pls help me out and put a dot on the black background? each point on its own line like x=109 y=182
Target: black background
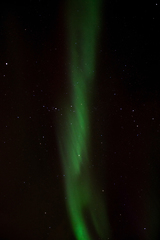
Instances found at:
x=124 y=116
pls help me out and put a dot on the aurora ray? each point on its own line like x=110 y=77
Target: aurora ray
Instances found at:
x=83 y=199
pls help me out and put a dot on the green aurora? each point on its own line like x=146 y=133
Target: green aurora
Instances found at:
x=85 y=205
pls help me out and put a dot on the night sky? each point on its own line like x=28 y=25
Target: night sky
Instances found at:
x=124 y=120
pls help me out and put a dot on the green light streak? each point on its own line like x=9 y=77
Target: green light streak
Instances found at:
x=85 y=205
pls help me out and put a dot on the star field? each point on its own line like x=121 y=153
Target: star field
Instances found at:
x=124 y=126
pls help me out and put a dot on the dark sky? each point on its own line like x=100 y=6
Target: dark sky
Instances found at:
x=124 y=112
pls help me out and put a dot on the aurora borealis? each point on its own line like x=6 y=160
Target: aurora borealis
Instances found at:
x=83 y=19
x=80 y=122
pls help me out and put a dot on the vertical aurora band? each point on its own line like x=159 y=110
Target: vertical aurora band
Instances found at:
x=84 y=203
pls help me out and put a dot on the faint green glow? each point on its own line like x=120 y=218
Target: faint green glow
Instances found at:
x=84 y=201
